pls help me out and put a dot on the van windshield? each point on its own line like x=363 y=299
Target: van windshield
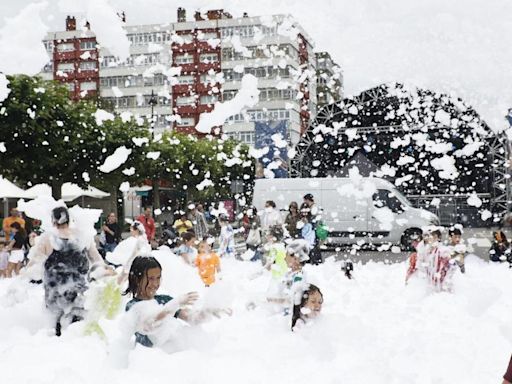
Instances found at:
x=401 y=197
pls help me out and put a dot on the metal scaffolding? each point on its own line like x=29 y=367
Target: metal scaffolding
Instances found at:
x=499 y=147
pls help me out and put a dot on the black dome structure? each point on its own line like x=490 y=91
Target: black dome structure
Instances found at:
x=429 y=144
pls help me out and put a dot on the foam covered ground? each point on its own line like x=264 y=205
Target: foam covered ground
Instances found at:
x=372 y=330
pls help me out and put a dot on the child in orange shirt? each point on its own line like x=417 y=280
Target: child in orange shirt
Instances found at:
x=207 y=262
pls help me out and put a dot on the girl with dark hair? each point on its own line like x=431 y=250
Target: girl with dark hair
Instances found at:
x=292 y=218
x=143 y=284
x=15 y=246
x=500 y=248
x=307 y=306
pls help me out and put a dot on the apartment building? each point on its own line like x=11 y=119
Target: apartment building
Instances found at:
x=178 y=70
x=329 y=79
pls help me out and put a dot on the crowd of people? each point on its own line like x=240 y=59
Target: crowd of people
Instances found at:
x=282 y=245
x=62 y=262
x=436 y=260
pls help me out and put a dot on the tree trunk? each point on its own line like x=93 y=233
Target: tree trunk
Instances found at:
x=57 y=189
x=119 y=204
x=156 y=194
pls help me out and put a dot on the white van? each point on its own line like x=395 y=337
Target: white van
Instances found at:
x=356 y=209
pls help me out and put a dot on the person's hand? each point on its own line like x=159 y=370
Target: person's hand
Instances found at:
x=188 y=299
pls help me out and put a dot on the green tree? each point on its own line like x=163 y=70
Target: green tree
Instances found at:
x=50 y=139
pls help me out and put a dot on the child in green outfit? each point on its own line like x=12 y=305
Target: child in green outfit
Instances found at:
x=276 y=253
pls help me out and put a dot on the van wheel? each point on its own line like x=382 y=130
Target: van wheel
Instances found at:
x=409 y=237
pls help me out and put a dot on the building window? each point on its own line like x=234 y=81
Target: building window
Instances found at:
x=228 y=95
x=260 y=115
x=207 y=79
x=205 y=36
x=209 y=58
x=226 y=32
x=88 y=65
x=188 y=38
x=71 y=87
x=87 y=45
x=185 y=100
x=65 y=47
x=184 y=59
x=186 y=122
x=244 y=137
x=66 y=67
x=247 y=137
x=48 y=44
x=186 y=79
x=88 y=86
x=208 y=99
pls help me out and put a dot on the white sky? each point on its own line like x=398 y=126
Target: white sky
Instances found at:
x=456 y=46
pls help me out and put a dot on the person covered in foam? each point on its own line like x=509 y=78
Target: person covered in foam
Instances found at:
x=307 y=306
x=151 y=316
x=283 y=293
x=128 y=249
x=63 y=256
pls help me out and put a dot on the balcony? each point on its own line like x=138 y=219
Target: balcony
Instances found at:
x=182 y=89
x=205 y=67
x=186 y=130
x=87 y=74
x=186 y=109
x=204 y=108
x=203 y=88
x=66 y=55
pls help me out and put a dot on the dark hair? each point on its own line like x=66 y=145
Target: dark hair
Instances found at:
x=187 y=236
x=454 y=231
x=305 y=211
x=137 y=226
x=271 y=203
x=16 y=225
x=499 y=236
x=309 y=197
x=60 y=216
x=437 y=232
x=139 y=268
x=254 y=211
x=293 y=204
x=276 y=231
x=297 y=314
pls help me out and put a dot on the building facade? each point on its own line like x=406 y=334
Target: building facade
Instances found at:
x=329 y=78
x=189 y=65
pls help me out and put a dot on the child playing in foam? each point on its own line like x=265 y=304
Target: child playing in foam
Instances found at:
x=207 y=262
